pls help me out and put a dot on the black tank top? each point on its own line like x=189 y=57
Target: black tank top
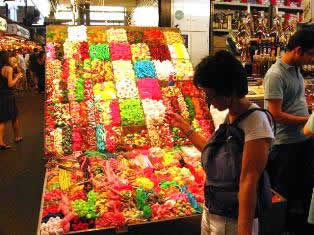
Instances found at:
x=4 y=87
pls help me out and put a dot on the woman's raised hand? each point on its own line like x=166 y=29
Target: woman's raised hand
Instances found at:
x=178 y=121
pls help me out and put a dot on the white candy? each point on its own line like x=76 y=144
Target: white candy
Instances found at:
x=77 y=33
x=164 y=69
x=126 y=88
x=123 y=70
x=154 y=111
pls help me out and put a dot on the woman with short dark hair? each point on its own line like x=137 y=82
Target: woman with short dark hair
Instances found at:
x=223 y=80
x=9 y=76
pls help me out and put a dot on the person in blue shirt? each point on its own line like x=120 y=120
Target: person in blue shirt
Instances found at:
x=292 y=152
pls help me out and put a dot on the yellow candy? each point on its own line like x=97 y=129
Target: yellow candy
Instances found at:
x=146 y=183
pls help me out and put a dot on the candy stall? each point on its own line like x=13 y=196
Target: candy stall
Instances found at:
x=112 y=160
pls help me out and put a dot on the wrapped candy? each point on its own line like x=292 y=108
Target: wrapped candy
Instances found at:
x=189 y=89
x=76 y=139
x=91 y=138
x=112 y=139
x=135 y=36
x=153 y=36
x=83 y=50
x=120 y=51
x=56 y=33
x=65 y=70
x=204 y=127
x=159 y=52
x=144 y=69
x=87 y=208
x=67 y=140
x=79 y=89
x=140 y=51
x=96 y=34
x=53 y=226
x=51 y=51
x=149 y=88
x=91 y=113
x=126 y=88
x=178 y=51
x=101 y=71
x=183 y=108
x=164 y=69
x=88 y=88
x=144 y=183
x=135 y=140
x=99 y=138
x=131 y=112
x=115 y=113
x=184 y=69
x=110 y=219
x=99 y=51
x=172 y=37
x=170 y=91
x=57 y=137
x=201 y=109
x=77 y=33
x=160 y=136
x=70 y=49
x=123 y=70
x=179 y=137
x=104 y=91
x=75 y=113
x=83 y=114
x=190 y=107
x=116 y=35
x=154 y=111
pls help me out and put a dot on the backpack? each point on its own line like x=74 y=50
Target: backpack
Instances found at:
x=221 y=160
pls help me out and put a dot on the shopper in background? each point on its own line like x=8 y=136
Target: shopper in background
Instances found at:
x=33 y=64
x=22 y=66
x=40 y=71
x=292 y=152
x=8 y=111
x=226 y=89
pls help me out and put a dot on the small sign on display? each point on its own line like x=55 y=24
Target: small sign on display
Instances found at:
x=3 y=24
x=18 y=30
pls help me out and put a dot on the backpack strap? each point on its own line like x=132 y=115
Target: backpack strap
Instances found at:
x=244 y=115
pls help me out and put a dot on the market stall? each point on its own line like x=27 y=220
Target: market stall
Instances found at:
x=15 y=37
x=113 y=161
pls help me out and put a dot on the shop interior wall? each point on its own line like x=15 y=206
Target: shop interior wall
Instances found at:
x=192 y=18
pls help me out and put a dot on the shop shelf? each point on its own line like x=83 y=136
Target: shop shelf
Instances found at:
x=225 y=30
x=231 y=4
x=290 y=8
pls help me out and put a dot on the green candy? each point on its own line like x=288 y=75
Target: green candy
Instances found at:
x=190 y=106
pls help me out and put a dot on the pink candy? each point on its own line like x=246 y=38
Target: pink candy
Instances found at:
x=149 y=89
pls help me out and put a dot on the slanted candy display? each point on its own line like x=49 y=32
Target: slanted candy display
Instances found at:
x=113 y=160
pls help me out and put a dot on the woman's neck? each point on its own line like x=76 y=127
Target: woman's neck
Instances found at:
x=238 y=107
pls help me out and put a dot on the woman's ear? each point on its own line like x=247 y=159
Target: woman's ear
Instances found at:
x=298 y=51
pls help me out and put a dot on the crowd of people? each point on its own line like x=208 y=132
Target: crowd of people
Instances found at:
x=18 y=71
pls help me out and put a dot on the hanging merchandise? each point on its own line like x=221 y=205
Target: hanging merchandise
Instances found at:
x=114 y=161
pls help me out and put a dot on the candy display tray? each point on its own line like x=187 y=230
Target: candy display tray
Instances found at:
x=112 y=229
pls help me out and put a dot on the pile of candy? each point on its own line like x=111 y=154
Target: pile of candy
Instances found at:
x=115 y=160
x=95 y=190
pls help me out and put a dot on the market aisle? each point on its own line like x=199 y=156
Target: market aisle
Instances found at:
x=22 y=171
x=22 y=174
